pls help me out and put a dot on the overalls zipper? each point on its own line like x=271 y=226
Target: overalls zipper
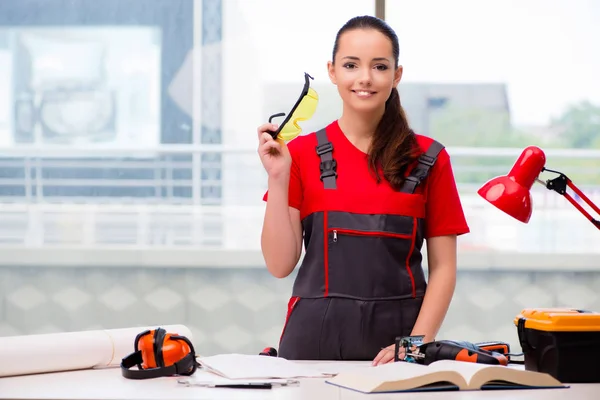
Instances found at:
x=367 y=233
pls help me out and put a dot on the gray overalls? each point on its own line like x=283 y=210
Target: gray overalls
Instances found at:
x=361 y=283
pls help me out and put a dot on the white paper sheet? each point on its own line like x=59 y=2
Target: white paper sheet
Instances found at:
x=204 y=378
x=241 y=366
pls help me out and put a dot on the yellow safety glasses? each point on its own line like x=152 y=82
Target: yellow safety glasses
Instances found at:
x=303 y=110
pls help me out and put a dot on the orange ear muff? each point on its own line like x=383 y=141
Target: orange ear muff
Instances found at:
x=158 y=353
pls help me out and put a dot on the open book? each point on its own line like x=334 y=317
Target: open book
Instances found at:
x=441 y=375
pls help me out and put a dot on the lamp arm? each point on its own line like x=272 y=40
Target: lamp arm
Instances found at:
x=560 y=184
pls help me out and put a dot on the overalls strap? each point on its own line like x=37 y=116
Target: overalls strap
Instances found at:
x=328 y=164
x=420 y=172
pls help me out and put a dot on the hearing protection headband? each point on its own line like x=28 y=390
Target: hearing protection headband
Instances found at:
x=303 y=110
x=158 y=353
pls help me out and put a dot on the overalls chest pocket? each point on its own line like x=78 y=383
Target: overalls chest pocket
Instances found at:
x=373 y=255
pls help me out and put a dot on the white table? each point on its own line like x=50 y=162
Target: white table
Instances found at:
x=109 y=384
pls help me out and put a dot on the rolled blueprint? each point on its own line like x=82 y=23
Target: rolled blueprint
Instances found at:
x=55 y=352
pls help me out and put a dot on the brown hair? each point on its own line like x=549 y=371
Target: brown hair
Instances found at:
x=394 y=143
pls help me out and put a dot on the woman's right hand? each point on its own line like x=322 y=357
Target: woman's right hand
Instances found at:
x=274 y=154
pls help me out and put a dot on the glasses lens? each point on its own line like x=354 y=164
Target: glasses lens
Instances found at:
x=303 y=112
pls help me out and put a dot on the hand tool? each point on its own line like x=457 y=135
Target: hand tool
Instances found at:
x=426 y=353
x=502 y=348
x=268 y=351
x=499 y=347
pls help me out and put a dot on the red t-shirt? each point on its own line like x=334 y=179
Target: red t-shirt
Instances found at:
x=443 y=210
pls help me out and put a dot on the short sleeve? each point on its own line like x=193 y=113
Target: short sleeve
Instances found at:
x=444 y=211
x=295 y=187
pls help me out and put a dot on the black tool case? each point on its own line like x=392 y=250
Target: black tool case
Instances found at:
x=562 y=342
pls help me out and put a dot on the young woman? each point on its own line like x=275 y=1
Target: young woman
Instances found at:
x=363 y=194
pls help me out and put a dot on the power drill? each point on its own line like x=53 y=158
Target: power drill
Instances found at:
x=493 y=353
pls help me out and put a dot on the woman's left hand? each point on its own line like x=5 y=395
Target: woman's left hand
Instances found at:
x=386 y=355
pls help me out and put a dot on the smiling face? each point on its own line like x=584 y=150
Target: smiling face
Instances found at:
x=364 y=70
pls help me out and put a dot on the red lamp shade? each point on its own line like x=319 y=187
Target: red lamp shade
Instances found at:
x=510 y=193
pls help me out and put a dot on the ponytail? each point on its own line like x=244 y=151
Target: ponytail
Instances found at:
x=394 y=147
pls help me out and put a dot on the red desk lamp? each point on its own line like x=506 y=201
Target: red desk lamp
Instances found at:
x=510 y=193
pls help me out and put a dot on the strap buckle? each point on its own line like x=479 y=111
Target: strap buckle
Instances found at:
x=427 y=160
x=328 y=168
x=324 y=148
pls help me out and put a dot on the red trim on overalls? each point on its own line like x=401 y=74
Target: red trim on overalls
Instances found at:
x=326 y=255
x=412 y=247
x=291 y=304
x=360 y=203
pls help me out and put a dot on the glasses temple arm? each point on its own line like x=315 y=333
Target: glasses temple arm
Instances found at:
x=275 y=116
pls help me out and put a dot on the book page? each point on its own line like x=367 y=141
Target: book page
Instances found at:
x=393 y=371
x=477 y=375
x=466 y=369
x=395 y=376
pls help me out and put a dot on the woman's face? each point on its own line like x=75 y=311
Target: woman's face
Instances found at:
x=363 y=70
